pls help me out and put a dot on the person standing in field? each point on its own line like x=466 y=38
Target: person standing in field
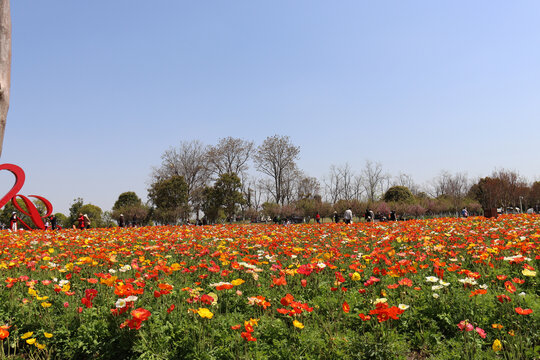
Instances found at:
x=347 y=217
x=80 y=219
x=53 y=222
x=318 y=218
x=121 y=221
x=336 y=217
x=86 y=222
x=13 y=221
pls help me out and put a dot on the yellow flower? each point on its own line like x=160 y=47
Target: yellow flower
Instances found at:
x=252 y=322
x=31 y=341
x=237 y=282
x=298 y=324
x=47 y=335
x=497 y=346
x=356 y=276
x=41 y=298
x=27 y=335
x=32 y=292
x=205 y=313
x=46 y=304
x=528 y=272
x=40 y=346
x=497 y=326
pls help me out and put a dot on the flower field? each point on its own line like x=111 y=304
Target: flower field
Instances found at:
x=441 y=289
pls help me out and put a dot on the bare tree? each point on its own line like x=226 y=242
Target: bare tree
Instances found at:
x=290 y=184
x=358 y=188
x=342 y=184
x=407 y=181
x=332 y=185
x=276 y=158
x=347 y=182
x=455 y=186
x=375 y=181
x=187 y=160
x=230 y=155
x=307 y=187
x=5 y=65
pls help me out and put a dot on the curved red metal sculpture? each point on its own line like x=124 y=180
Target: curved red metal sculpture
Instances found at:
x=31 y=210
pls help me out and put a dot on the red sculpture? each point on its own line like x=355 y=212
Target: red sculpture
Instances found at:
x=31 y=209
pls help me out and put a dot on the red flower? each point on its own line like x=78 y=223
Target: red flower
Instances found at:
x=510 y=287
x=4 y=333
x=521 y=311
x=279 y=281
x=503 y=298
x=287 y=299
x=364 y=317
x=171 y=308
x=339 y=277
x=247 y=335
x=141 y=314
x=346 y=307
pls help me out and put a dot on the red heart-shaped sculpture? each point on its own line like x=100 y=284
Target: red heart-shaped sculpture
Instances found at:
x=19 y=182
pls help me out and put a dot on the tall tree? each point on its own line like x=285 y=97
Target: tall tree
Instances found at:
x=128 y=198
x=276 y=157
x=5 y=65
x=75 y=210
x=307 y=187
x=374 y=180
x=225 y=194
x=189 y=161
x=169 y=196
x=229 y=156
x=131 y=207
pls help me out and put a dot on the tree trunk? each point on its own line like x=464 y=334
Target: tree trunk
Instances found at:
x=5 y=65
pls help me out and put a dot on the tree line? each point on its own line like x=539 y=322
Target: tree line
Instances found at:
x=237 y=180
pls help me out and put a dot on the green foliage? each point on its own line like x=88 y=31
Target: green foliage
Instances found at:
x=398 y=194
x=94 y=213
x=62 y=220
x=127 y=199
x=225 y=195
x=169 y=196
x=75 y=210
x=131 y=206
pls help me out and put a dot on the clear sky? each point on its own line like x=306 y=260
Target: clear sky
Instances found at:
x=101 y=88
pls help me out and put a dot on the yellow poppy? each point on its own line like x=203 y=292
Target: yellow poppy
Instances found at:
x=298 y=324
x=27 y=335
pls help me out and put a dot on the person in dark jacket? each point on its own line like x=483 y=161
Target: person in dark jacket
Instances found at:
x=121 y=221
x=52 y=219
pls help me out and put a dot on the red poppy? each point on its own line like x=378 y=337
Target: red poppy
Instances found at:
x=521 y=311
x=364 y=317
x=141 y=314
x=346 y=307
x=510 y=287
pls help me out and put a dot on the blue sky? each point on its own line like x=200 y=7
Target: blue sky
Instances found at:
x=101 y=88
